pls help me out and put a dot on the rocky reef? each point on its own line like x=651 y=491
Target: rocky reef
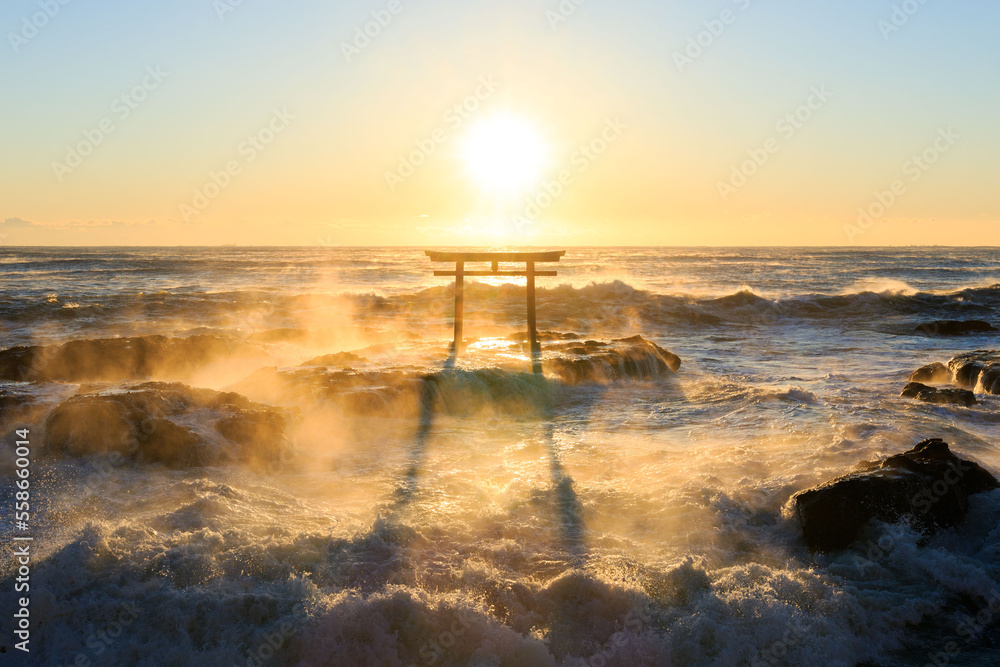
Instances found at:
x=939 y=396
x=928 y=486
x=347 y=382
x=168 y=423
x=977 y=370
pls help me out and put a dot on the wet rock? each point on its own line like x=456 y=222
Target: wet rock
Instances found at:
x=975 y=370
x=954 y=327
x=940 y=396
x=167 y=442
x=935 y=373
x=623 y=358
x=152 y=423
x=92 y=425
x=927 y=485
x=260 y=431
x=412 y=391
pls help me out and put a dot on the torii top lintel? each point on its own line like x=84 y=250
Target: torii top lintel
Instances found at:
x=541 y=257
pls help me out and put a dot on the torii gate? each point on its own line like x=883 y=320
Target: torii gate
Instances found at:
x=529 y=258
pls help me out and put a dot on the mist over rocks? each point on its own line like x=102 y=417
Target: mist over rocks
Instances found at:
x=161 y=423
x=937 y=373
x=928 y=486
x=544 y=336
x=116 y=359
x=405 y=393
x=337 y=359
x=17 y=407
x=408 y=391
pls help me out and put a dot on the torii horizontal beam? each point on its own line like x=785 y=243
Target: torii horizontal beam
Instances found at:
x=494 y=273
x=540 y=257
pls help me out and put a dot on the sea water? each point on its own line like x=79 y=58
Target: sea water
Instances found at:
x=630 y=522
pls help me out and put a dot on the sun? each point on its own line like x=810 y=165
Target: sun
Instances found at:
x=505 y=154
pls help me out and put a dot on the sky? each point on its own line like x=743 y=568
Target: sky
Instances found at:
x=727 y=122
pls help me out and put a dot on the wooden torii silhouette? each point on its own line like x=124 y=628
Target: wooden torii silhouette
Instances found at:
x=529 y=259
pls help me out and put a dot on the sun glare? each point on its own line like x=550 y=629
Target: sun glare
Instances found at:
x=504 y=154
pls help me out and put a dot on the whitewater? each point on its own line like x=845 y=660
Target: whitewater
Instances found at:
x=247 y=456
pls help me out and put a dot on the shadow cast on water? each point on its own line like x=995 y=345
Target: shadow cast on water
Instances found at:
x=566 y=505
x=408 y=487
x=568 y=508
x=562 y=498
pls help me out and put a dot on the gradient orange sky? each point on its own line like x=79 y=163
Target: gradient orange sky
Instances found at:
x=896 y=117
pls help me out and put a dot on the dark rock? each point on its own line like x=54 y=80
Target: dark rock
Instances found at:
x=19 y=363
x=977 y=369
x=632 y=358
x=409 y=391
x=936 y=373
x=940 y=396
x=146 y=423
x=954 y=327
x=170 y=443
x=928 y=485
x=91 y=425
x=261 y=431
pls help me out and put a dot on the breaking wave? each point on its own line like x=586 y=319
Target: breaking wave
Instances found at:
x=271 y=317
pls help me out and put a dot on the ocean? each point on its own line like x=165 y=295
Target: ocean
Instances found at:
x=299 y=474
